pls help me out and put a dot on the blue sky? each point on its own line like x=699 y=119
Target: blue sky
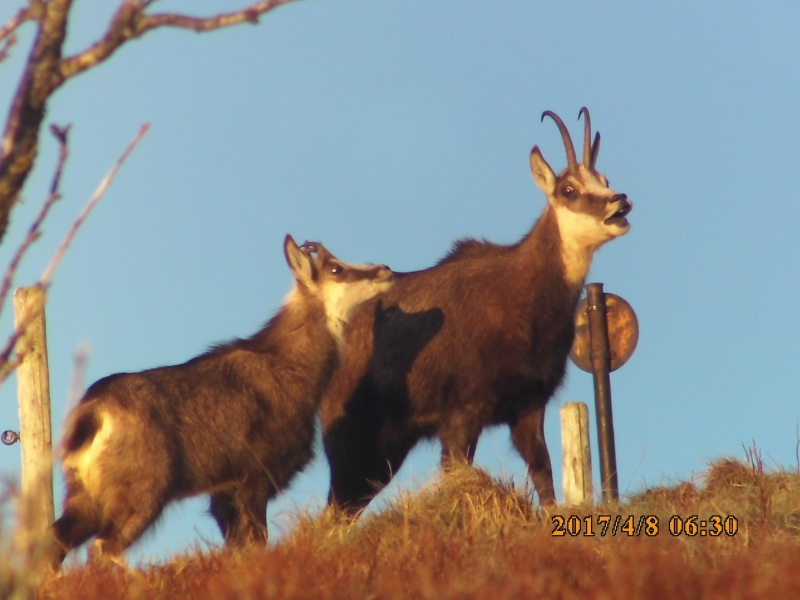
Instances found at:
x=387 y=130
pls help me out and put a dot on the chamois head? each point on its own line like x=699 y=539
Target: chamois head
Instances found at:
x=589 y=213
x=340 y=287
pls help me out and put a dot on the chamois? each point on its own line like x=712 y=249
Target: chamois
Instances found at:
x=236 y=422
x=479 y=339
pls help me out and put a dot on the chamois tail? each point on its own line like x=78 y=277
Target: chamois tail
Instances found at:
x=86 y=438
x=81 y=431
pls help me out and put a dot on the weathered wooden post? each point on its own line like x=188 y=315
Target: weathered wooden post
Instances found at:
x=33 y=389
x=606 y=334
x=577 y=455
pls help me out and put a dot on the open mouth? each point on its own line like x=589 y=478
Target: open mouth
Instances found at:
x=618 y=218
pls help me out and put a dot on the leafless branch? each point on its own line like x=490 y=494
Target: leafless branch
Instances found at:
x=77 y=383
x=47 y=70
x=130 y=22
x=99 y=192
x=34 y=233
x=12 y=39
x=250 y=14
x=6 y=30
x=39 y=80
x=8 y=35
x=7 y=363
x=8 y=366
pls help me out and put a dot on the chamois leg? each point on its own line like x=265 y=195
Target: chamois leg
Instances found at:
x=223 y=509
x=242 y=514
x=79 y=521
x=528 y=437
x=459 y=440
x=351 y=445
x=251 y=526
x=361 y=463
x=113 y=540
x=126 y=517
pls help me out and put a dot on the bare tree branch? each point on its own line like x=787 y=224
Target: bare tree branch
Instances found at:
x=7 y=363
x=8 y=31
x=40 y=79
x=23 y=15
x=130 y=22
x=34 y=233
x=7 y=45
x=46 y=71
x=77 y=383
x=249 y=14
x=120 y=30
x=99 y=192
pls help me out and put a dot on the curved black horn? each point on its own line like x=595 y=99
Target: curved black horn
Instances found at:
x=587 y=137
x=595 y=150
x=572 y=162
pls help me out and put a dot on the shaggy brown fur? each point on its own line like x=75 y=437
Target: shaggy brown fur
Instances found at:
x=480 y=339
x=236 y=422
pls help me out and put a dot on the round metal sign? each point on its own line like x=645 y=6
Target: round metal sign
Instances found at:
x=623 y=333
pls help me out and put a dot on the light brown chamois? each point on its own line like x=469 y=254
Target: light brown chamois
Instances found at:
x=479 y=339
x=236 y=422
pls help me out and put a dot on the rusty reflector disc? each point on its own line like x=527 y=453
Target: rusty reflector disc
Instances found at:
x=623 y=333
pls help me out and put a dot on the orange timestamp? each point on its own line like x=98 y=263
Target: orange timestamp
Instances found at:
x=648 y=525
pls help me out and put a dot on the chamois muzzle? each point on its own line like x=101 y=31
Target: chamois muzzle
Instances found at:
x=618 y=218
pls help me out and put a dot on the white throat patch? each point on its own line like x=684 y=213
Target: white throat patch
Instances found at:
x=581 y=236
x=341 y=299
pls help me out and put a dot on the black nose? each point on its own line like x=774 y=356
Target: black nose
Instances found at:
x=618 y=197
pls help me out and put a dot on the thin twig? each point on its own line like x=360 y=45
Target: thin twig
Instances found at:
x=7 y=45
x=23 y=15
x=7 y=32
x=34 y=233
x=77 y=382
x=101 y=189
x=7 y=367
x=249 y=14
x=7 y=364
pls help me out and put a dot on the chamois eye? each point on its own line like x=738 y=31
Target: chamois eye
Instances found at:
x=569 y=192
x=337 y=269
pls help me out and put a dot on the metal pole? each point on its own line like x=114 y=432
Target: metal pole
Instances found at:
x=601 y=368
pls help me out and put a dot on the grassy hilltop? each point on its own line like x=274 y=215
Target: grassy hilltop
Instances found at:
x=470 y=536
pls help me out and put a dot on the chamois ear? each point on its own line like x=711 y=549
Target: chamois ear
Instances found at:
x=298 y=262
x=542 y=173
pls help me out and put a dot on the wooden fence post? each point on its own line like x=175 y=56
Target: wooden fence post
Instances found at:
x=577 y=458
x=33 y=389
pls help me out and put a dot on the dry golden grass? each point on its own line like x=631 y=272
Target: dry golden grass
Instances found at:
x=470 y=536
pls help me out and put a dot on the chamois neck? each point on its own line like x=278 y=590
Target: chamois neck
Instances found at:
x=300 y=324
x=549 y=244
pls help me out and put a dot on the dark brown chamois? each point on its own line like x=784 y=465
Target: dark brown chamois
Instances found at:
x=236 y=422
x=479 y=339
